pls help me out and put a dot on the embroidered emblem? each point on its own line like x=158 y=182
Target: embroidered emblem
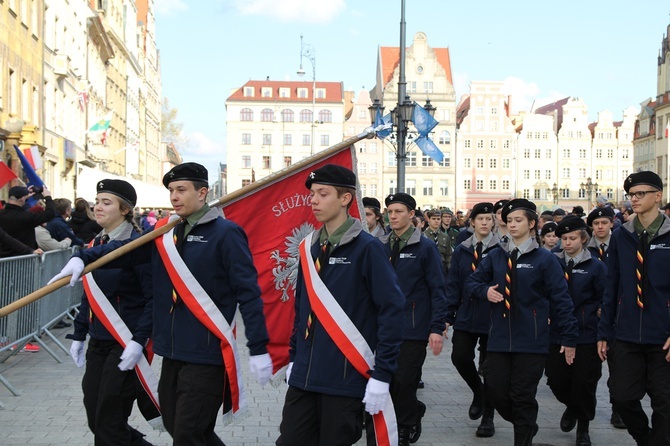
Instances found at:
x=312 y=175
x=100 y=185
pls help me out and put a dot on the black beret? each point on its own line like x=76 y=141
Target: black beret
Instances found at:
x=120 y=188
x=403 y=198
x=186 y=172
x=547 y=213
x=369 y=202
x=517 y=204
x=645 y=177
x=499 y=205
x=481 y=208
x=559 y=211
x=599 y=213
x=548 y=227
x=570 y=224
x=418 y=213
x=332 y=175
x=578 y=210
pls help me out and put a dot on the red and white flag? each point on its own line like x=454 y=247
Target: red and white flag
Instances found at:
x=6 y=174
x=276 y=217
x=33 y=156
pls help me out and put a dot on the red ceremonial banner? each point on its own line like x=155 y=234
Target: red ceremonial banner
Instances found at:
x=276 y=218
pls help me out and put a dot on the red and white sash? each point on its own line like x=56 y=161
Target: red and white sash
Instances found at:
x=105 y=312
x=347 y=337
x=205 y=310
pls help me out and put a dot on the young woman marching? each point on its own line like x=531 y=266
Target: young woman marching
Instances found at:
x=470 y=316
x=521 y=285
x=548 y=236
x=575 y=385
x=110 y=384
x=373 y=216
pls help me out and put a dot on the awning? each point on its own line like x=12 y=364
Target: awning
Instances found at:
x=148 y=195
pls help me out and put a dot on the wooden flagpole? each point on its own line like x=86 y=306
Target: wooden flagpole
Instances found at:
x=146 y=238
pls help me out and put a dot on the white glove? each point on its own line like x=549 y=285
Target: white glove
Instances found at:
x=77 y=352
x=130 y=356
x=376 y=396
x=74 y=268
x=289 y=368
x=261 y=368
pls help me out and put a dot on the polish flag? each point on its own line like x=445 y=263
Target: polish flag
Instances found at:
x=6 y=174
x=32 y=154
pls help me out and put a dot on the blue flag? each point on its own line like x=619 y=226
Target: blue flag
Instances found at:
x=32 y=177
x=383 y=121
x=423 y=122
x=429 y=148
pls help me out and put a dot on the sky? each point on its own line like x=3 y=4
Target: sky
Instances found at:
x=602 y=51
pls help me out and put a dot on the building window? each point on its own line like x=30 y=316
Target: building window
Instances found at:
x=526 y=194
x=494 y=110
x=599 y=153
x=306 y=140
x=427 y=188
x=545 y=135
x=446 y=160
x=411 y=159
x=266 y=162
x=411 y=187
x=493 y=184
x=246 y=139
x=467 y=163
x=287 y=115
x=246 y=161
x=526 y=153
x=362 y=148
x=373 y=168
x=267 y=139
x=493 y=144
x=494 y=126
x=444 y=188
x=284 y=92
x=582 y=172
x=479 y=184
x=610 y=193
x=581 y=193
x=538 y=153
x=320 y=93
x=493 y=163
x=466 y=143
x=505 y=184
x=373 y=147
x=480 y=163
x=506 y=144
x=266 y=92
x=426 y=161
x=364 y=189
x=246 y=114
x=287 y=161
x=624 y=154
x=306 y=115
x=565 y=193
x=480 y=143
x=445 y=137
x=547 y=174
x=526 y=174
x=326 y=116
x=479 y=110
x=246 y=183
x=393 y=188
x=267 y=115
x=566 y=172
x=467 y=184
x=248 y=92
x=302 y=93
x=548 y=153
x=537 y=174
x=362 y=168
x=505 y=163
x=325 y=140
x=373 y=190
x=610 y=153
x=391 y=160
x=288 y=139
x=427 y=87
x=566 y=153
x=582 y=153
x=479 y=126
x=537 y=194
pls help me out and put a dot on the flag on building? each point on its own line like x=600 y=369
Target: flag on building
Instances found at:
x=102 y=124
x=82 y=98
x=28 y=170
x=6 y=174
x=276 y=217
x=33 y=156
x=667 y=129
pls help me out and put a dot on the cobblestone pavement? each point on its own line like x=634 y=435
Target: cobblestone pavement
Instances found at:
x=50 y=411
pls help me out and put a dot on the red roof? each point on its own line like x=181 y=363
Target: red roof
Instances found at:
x=390 y=56
x=334 y=91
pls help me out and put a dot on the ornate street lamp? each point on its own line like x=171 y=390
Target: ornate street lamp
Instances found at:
x=589 y=187
x=430 y=108
x=307 y=51
x=554 y=193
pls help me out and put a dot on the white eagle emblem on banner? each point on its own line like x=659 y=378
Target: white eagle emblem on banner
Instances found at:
x=286 y=271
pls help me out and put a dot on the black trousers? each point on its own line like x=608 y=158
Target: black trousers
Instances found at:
x=405 y=381
x=109 y=394
x=190 y=396
x=575 y=385
x=316 y=419
x=463 y=357
x=511 y=381
x=642 y=369
x=611 y=361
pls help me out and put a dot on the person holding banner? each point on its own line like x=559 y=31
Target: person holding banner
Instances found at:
x=114 y=299
x=348 y=304
x=202 y=270
x=18 y=222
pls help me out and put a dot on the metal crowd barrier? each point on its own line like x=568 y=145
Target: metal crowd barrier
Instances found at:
x=20 y=276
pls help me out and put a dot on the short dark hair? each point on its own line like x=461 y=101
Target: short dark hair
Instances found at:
x=200 y=184
x=341 y=190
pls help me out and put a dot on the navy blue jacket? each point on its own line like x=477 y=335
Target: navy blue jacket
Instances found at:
x=362 y=281
x=621 y=317
x=421 y=279
x=465 y=312
x=217 y=253
x=540 y=284
x=130 y=292
x=59 y=230
x=586 y=288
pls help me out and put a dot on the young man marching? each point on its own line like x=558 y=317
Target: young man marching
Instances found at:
x=440 y=238
x=348 y=305
x=417 y=262
x=636 y=312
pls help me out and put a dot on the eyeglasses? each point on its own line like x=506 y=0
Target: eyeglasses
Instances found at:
x=639 y=194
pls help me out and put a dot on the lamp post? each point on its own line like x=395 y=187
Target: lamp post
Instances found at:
x=589 y=187
x=554 y=193
x=307 y=51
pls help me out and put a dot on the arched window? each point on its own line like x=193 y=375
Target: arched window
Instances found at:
x=326 y=116
x=246 y=114
x=287 y=115
x=267 y=115
x=306 y=115
x=445 y=137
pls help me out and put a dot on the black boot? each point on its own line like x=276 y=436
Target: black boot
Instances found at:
x=486 y=428
x=415 y=432
x=403 y=435
x=477 y=406
x=583 y=438
x=523 y=436
x=615 y=420
x=568 y=421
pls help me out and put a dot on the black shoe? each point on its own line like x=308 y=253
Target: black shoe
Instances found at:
x=61 y=324
x=477 y=406
x=524 y=436
x=568 y=421
x=421 y=385
x=486 y=428
x=583 y=438
x=615 y=420
x=415 y=432
x=403 y=435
